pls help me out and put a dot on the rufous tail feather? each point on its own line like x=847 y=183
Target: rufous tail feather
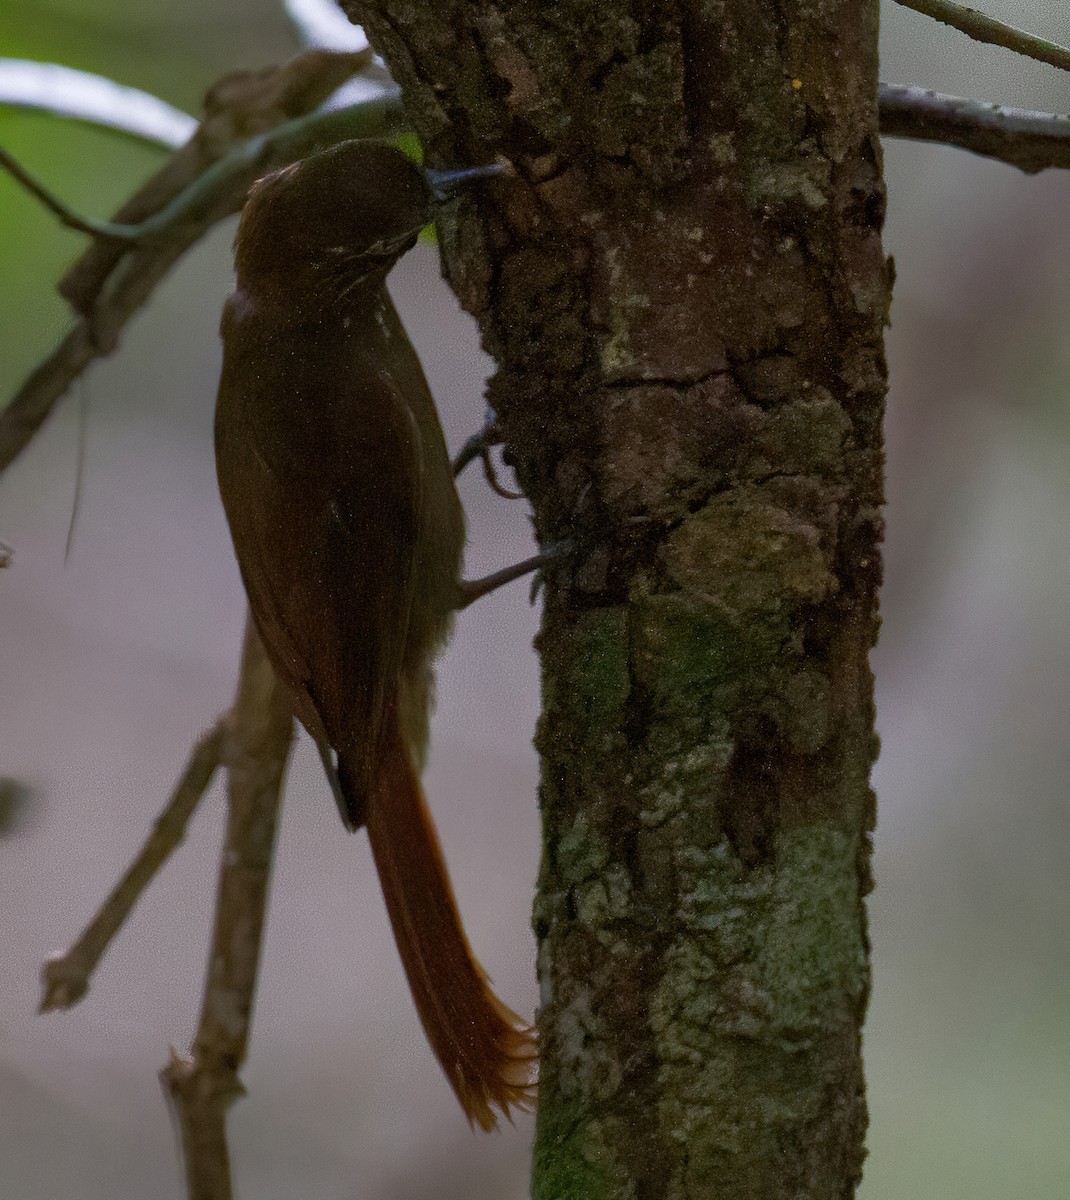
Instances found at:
x=488 y=1053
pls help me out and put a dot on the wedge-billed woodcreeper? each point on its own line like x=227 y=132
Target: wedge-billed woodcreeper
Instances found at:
x=348 y=532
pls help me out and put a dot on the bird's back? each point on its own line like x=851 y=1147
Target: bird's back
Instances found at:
x=324 y=459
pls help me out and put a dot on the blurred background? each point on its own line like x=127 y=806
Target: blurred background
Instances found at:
x=113 y=662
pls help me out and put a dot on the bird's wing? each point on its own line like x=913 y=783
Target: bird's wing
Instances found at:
x=320 y=471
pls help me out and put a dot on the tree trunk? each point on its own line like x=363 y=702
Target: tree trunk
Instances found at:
x=684 y=289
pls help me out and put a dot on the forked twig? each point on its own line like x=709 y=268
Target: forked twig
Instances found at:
x=1030 y=141
x=259 y=734
x=66 y=977
x=253 y=741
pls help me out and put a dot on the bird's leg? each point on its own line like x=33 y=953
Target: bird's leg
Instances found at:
x=475 y=589
x=478 y=446
x=479 y=443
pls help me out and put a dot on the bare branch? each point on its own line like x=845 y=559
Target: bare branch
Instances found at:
x=241 y=105
x=257 y=747
x=217 y=193
x=1030 y=141
x=254 y=740
x=56 y=206
x=983 y=28
x=66 y=978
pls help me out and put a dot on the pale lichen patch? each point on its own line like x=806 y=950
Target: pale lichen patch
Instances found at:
x=742 y=553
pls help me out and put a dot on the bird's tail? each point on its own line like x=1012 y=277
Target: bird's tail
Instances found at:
x=487 y=1052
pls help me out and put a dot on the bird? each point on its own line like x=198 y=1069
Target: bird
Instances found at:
x=348 y=532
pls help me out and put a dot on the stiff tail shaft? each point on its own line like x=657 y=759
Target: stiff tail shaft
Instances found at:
x=485 y=1049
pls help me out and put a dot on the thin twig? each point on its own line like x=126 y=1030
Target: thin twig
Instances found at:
x=983 y=28
x=67 y=216
x=239 y=106
x=215 y=195
x=79 y=471
x=66 y=978
x=202 y=1087
x=233 y=174
x=1030 y=141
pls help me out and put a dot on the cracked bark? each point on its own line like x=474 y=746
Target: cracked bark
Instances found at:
x=684 y=290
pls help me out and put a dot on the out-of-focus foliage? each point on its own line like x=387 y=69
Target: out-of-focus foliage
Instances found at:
x=173 y=52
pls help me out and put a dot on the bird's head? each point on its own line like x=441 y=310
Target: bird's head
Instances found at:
x=337 y=219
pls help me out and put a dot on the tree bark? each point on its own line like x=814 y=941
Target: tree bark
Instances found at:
x=684 y=289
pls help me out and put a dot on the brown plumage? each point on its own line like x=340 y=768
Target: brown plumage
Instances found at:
x=348 y=531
